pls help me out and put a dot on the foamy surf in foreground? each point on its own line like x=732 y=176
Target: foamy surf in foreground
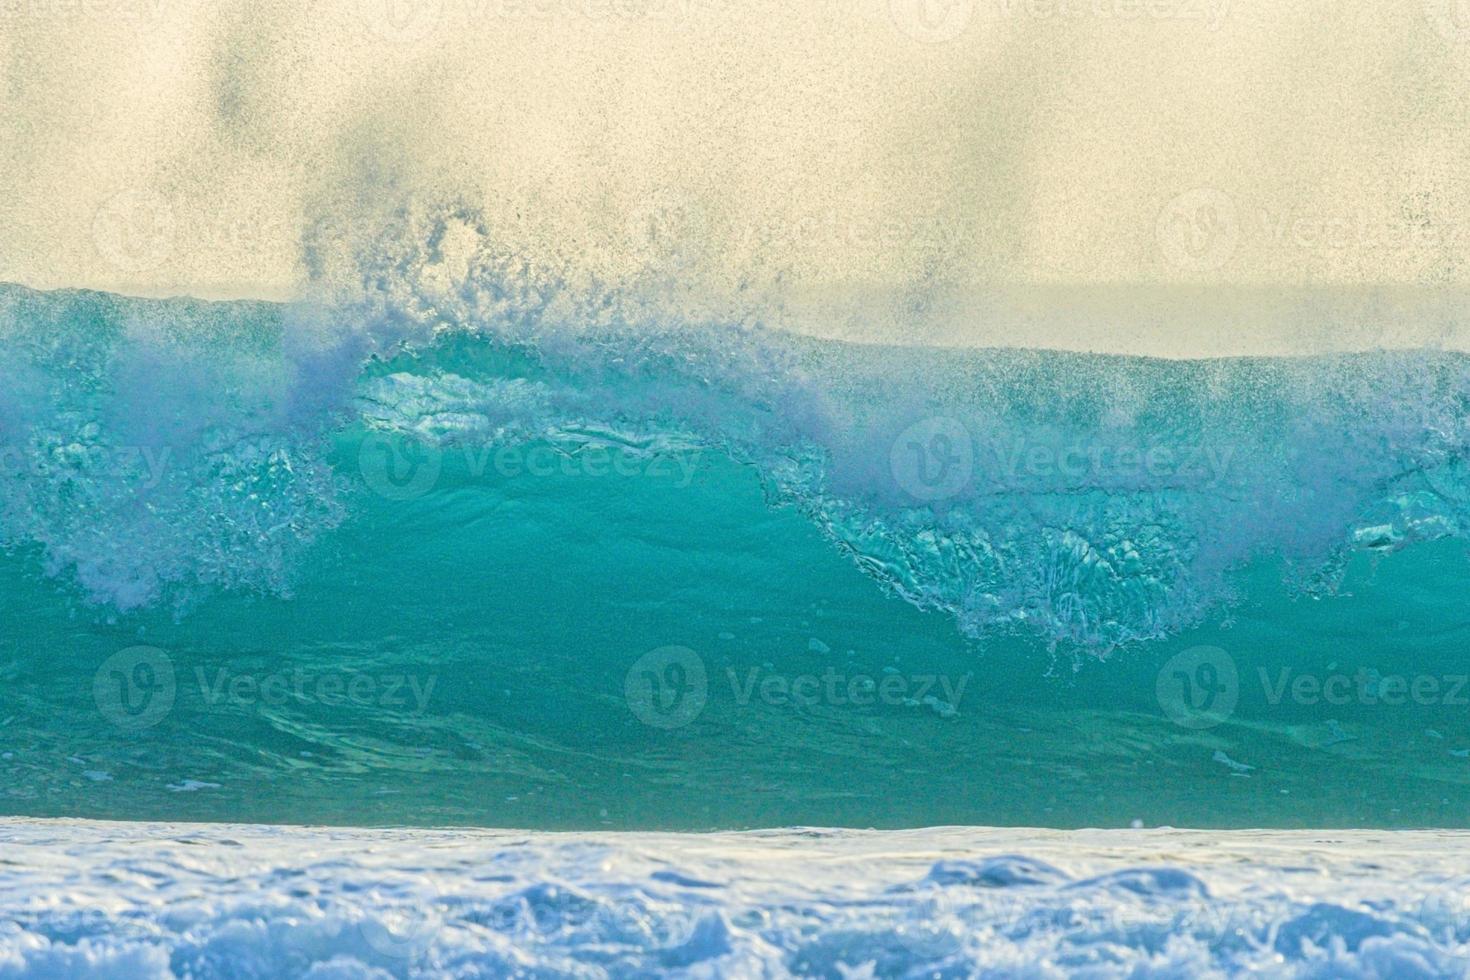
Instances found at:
x=83 y=899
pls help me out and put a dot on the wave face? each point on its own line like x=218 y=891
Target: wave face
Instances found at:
x=156 y=450
x=334 y=903
x=560 y=534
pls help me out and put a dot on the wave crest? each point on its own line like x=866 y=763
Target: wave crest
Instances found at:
x=1087 y=500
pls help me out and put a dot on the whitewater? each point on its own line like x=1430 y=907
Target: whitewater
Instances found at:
x=139 y=900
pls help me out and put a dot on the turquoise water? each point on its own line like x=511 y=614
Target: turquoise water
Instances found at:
x=339 y=565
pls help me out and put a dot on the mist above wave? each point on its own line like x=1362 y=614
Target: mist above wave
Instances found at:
x=883 y=164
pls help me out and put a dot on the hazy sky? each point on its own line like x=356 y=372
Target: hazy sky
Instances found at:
x=912 y=149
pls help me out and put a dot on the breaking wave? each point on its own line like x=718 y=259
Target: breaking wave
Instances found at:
x=159 y=449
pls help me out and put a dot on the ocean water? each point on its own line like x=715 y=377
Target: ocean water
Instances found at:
x=414 y=562
x=487 y=551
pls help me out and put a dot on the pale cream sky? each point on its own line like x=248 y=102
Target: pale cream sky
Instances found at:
x=899 y=153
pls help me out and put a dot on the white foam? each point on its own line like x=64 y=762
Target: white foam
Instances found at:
x=138 y=900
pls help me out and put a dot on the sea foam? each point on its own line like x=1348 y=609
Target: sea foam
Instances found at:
x=154 y=900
